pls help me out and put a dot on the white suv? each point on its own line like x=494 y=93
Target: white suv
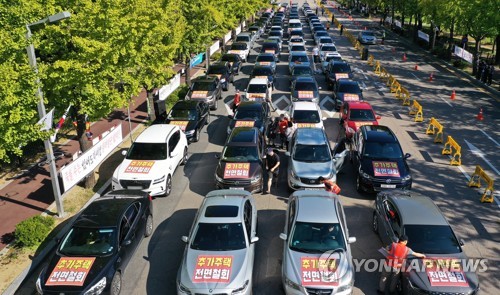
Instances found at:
x=259 y=89
x=306 y=114
x=152 y=159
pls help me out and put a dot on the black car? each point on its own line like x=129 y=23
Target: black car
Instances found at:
x=207 y=89
x=305 y=88
x=337 y=70
x=223 y=71
x=250 y=114
x=301 y=71
x=263 y=72
x=190 y=116
x=346 y=90
x=234 y=60
x=240 y=164
x=379 y=160
x=93 y=254
x=270 y=46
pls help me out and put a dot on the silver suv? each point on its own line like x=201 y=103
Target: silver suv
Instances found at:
x=317 y=256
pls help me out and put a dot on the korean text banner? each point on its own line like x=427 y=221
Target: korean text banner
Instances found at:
x=70 y=271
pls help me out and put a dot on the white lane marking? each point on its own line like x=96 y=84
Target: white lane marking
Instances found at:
x=329 y=113
x=496 y=201
x=489 y=137
x=415 y=76
x=480 y=154
x=447 y=102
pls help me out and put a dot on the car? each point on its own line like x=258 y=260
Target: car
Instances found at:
x=277 y=29
x=296 y=33
x=301 y=71
x=234 y=61
x=397 y=212
x=256 y=30
x=305 y=89
x=245 y=37
x=95 y=251
x=294 y=16
x=298 y=58
x=223 y=71
x=190 y=116
x=297 y=48
x=367 y=37
x=379 y=160
x=240 y=48
x=250 y=111
x=207 y=89
x=317 y=28
x=241 y=161
x=306 y=114
x=355 y=114
x=258 y=89
x=337 y=70
x=327 y=49
x=275 y=34
x=296 y=40
x=265 y=72
x=317 y=256
x=346 y=90
x=271 y=46
x=310 y=157
x=328 y=59
x=324 y=40
x=266 y=59
x=220 y=249
x=276 y=39
x=319 y=34
x=294 y=24
x=152 y=160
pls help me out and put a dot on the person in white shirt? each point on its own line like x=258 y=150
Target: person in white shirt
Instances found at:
x=316 y=54
x=289 y=132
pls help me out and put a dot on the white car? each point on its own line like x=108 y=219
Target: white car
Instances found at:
x=240 y=48
x=258 y=89
x=306 y=114
x=296 y=40
x=152 y=159
x=327 y=49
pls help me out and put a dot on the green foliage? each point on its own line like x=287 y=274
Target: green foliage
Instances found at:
x=32 y=231
x=216 y=56
x=459 y=63
x=179 y=94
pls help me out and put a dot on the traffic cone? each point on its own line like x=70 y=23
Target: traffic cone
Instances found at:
x=453 y=95
x=480 y=115
x=431 y=76
x=404 y=56
x=416 y=67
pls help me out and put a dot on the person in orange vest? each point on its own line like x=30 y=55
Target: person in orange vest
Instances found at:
x=236 y=101
x=330 y=186
x=397 y=254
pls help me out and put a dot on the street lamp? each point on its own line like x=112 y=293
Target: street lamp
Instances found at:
x=41 y=107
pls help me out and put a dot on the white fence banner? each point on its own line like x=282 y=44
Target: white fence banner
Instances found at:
x=166 y=90
x=423 y=36
x=463 y=54
x=244 y=24
x=74 y=172
x=238 y=29
x=398 y=24
x=214 y=47
x=227 y=37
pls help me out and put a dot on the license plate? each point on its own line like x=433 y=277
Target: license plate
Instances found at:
x=134 y=187
x=388 y=185
x=240 y=188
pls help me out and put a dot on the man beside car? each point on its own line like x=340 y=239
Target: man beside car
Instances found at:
x=272 y=165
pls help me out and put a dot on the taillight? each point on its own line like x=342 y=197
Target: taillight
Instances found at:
x=150 y=197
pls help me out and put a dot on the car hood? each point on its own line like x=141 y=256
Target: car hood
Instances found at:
x=253 y=170
x=385 y=168
x=184 y=125
x=98 y=269
x=312 y=170
x=423 y=278
x=200 y=94
x=349 y=96
x=141 y=169
x=305 y=95
x=235 y=262
x=356 y=124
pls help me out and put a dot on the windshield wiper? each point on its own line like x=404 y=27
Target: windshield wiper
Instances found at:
x=311 y=251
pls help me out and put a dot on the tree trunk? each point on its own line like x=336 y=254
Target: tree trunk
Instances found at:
x=85 y=144
x=188 y=72
x=497 y=54
x=151 y=104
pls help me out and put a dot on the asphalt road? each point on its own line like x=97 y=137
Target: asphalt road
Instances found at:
x=153 y=269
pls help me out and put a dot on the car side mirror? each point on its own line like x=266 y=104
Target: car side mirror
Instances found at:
x=461 y=242
x=127 y=242
x=217 y=156
x=407 y=155
x=283 y=236
x=124 y=152
x=351 y=240
x=378 y=117
x=254 y=240
x=185 y=239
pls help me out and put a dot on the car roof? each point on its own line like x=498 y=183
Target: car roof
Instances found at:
x=103 y=212
x=224 y=198
x=244 y=34
x=262 y=67
x=378 y=133
x=359 y=105
x=239 y=43
x=301 y=66
x=258 y=81
x=305 y=105
x=186 y=104
x=316 y=207
x=347 y=81
x=243 y=136
x=153 y=134
x=310 y=136
x=305 y=79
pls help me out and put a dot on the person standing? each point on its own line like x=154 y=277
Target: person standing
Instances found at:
x=236 y=101
x=480 y=68
x=490 y=74
x=316 y=10
x=484 y=73
x=316 y=54
x=330 y=186
x=272 y=168
x=289 y=133
x=282 y=126
x=341 y=29
x=322 y=11
x=397 y=254
x=327 y=26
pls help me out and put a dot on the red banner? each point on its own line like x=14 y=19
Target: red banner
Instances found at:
x=318 y=272
x=359 y=124
x=70 y=271
x=199 y=94
x=181 y=124
x=351 y=97
x=244 y=123
x=142 y=167
x=341 y=76
x=236 y=170
x=213 y=269
x=265 y=63
x=445 y=272
x=305 y=125
x=306 y=94
x=385 y=169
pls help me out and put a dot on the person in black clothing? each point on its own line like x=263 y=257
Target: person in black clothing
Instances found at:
x=484 y=73
x=272 y=131
x=272 y=168
x=341 y=29
x=490 y=74
x=480 y=68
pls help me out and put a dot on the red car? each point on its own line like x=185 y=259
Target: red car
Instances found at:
x=355 y=114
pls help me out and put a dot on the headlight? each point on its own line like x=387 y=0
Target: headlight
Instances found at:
x=223 y=80
x=190 y=132
x=241 y=289
x=182 y=289
x=97 y=288
x=158 y=180
x=363 y=174
x=39 y=285
x=407 y=177
x=291 y=284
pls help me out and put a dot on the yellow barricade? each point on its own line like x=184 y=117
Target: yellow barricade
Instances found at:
x=405 y=96
x=356 y=45
x=451 y=144
x=475 y=181
x=397 y=91
x=377 y=68
x=384 y=75
x=371 y=60
x=360 y=48
x=416 y=109
x=434 y=126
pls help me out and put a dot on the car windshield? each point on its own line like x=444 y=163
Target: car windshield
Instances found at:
x=245 y=114
x=239 y=46
x=318 y=238
x=299 y=58
x=368 y=34
x=329 y=48
x=325 y=40
x=383 y=150
x=306 y=116
x=147 y=151
x=432 y=239
x=332 y=57
x=203 y=86
x=216 y=70
x=257 y=88
x=266 y=58
x=349 y=88
x=219 y=237
x=341 y=68
x=275 y=33
x=312 y=153
x=294 y=25
x=298 y=48
x=264 y=71
x=276 y=29
x=243 y=39
x=300 y=71
x=182 y=114
x=296 y=40
x=270 y=46
x=321 y=34
x=305 y=86
x=361 y=115
x=240 y=154
x=296 y=33
x=230 y=57
x=86 y=241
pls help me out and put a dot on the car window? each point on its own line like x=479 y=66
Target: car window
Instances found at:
x=173 y=141
x=306 y=86
x=147 y=151
x=248 y=219
x=432 y=239
x=203 y=86
x=219 y=237
x=349 y=88
x=85 y=241
x=309 y=237
x=311 y=153
x=385 y=150
x=240 y=154
x=393 y=218
x=291 y=215
x=124 y=229
x=306 y=116
x=361 y=115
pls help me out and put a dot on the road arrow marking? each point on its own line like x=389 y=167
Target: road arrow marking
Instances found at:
x=480 y=154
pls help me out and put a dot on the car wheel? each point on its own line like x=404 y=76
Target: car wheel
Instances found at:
x=375 y=223
x=207 y=121
x=358 y=184
x=149 y=226
x=116 y=284
x=168 y=186
x=185 y=155
x=197 y=135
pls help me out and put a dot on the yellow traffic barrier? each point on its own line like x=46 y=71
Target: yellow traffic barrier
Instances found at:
x=434 y=126
x=356 y=45
x=398 y=90
x=451 y=144
x=371 y=60
x=416 y=109
x=377 y=68
x=384 y=75
x=405 y=96
x=475 y=181
x=396 y=87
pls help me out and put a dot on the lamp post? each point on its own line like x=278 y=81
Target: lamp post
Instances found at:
x=41 y=107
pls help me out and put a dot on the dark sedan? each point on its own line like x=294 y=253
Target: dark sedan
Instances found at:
x=337 y=70
x=92 y=256
x=207 y=89
x=223 y=71
x=190 y=116
x=234 y=60
x=346 y=90
x=263 y=72
x=250 y=114
x=305 y=89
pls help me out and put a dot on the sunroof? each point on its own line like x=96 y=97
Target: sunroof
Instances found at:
x=221 y=211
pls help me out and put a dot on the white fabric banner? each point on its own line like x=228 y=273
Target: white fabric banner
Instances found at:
x=166 y=90
x=397 y=23
x=238 y=29
x=423 y=36
x=227 y=37
x=74 y=172
x=463 y=54
x=214 y=47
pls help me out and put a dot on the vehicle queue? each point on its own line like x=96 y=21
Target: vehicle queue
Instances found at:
x=220 y=247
